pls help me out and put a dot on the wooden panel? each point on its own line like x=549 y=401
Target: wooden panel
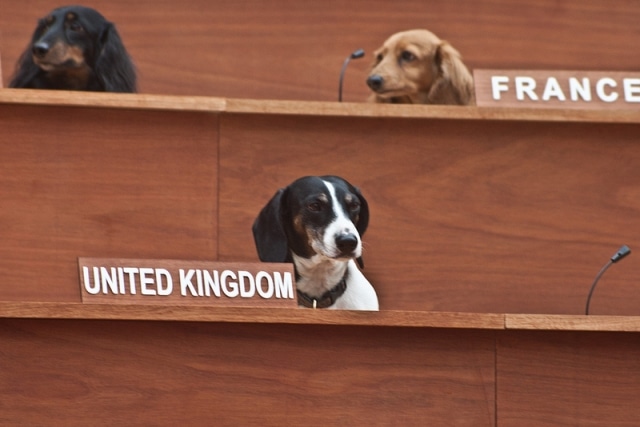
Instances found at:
x=294 y=50
x=378 y=111
x=556 y=322
x=297 y=316
x=555 y=379
x=136 y=373
x=465 y=215
x=101 y=183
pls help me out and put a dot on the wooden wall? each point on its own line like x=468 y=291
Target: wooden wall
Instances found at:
x=467 y=215
x=497 y=214
x=294 y=50
x=80 y=373
x=554 y=379
x=145 y=189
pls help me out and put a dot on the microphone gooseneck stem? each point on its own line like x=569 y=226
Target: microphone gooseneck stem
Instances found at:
x=595 y=282
x=355 y=55
x=622 y=252
x=344 y=68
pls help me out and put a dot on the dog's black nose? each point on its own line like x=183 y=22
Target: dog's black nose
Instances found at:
x=40 y=49
x=347 y=243
x=375 y=81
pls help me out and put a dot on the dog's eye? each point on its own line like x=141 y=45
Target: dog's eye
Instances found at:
x=354 y=205
x=75 y=26
x=407 y=56
x=379 y=57
x=314 y=206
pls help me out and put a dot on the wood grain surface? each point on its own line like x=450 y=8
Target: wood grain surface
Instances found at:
x=101 y=183
x=308 y=108
x=297 y=316
x=294 y=50
x=484 y=216
x=564 y=322
x=79 y=373
x=482 y=210
x=557 y=379
x=467 y=215
x=300 y=316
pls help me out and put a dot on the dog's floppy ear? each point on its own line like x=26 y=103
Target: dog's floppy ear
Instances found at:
x=268 y=232
x=454 y=77
x=113 y=66
x=26 y=70
x=363 y=219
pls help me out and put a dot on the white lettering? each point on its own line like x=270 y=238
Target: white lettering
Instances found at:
x=230 y=289
x=525 y=85
x=199 y=281
x=131 y=271
x=283 y=285
x=245 y=277
x=121 y=280
x=631 y=90
x=600 y=89
x=263 y=275
x=164 y=291
x=145 y=281
x=211 y=283
x=553 y=89
x=193 y=282
x=109 y=281
x=185 y=283
x=576 y=89
x=95 y=289
x=499 y=84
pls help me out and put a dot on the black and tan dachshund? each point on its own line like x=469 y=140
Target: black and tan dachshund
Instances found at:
x=75 y=48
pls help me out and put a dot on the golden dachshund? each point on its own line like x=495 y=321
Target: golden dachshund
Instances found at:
x=417 y=67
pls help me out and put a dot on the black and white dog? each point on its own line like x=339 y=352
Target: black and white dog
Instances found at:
x=317 y=223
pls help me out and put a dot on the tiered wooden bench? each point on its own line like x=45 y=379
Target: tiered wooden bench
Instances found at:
x=284 y=50
x=487 y=228
x=99 y=365
x=472 y=209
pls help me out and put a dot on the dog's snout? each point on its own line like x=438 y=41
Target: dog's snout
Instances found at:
x=347 y=243
x=375 y=81
x=41 y=48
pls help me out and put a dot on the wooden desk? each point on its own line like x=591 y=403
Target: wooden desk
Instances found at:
x=285 y=50
x=472 y=209
x=140 y=365
x=474 y=212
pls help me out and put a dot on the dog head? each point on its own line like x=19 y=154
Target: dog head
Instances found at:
x=65 y=38
x=323 y=216
x=417 y=67
x=73 y=45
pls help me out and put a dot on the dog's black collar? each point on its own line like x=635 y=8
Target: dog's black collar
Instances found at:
x=327 y=299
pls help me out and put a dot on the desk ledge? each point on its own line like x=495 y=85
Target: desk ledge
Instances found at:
x=392 y=318
x=423 y=319
x=307 y=108
x=63 y=98
x=558 y=322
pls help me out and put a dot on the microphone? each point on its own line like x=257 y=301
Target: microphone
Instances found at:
x=622 y=252
x=355 y=55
